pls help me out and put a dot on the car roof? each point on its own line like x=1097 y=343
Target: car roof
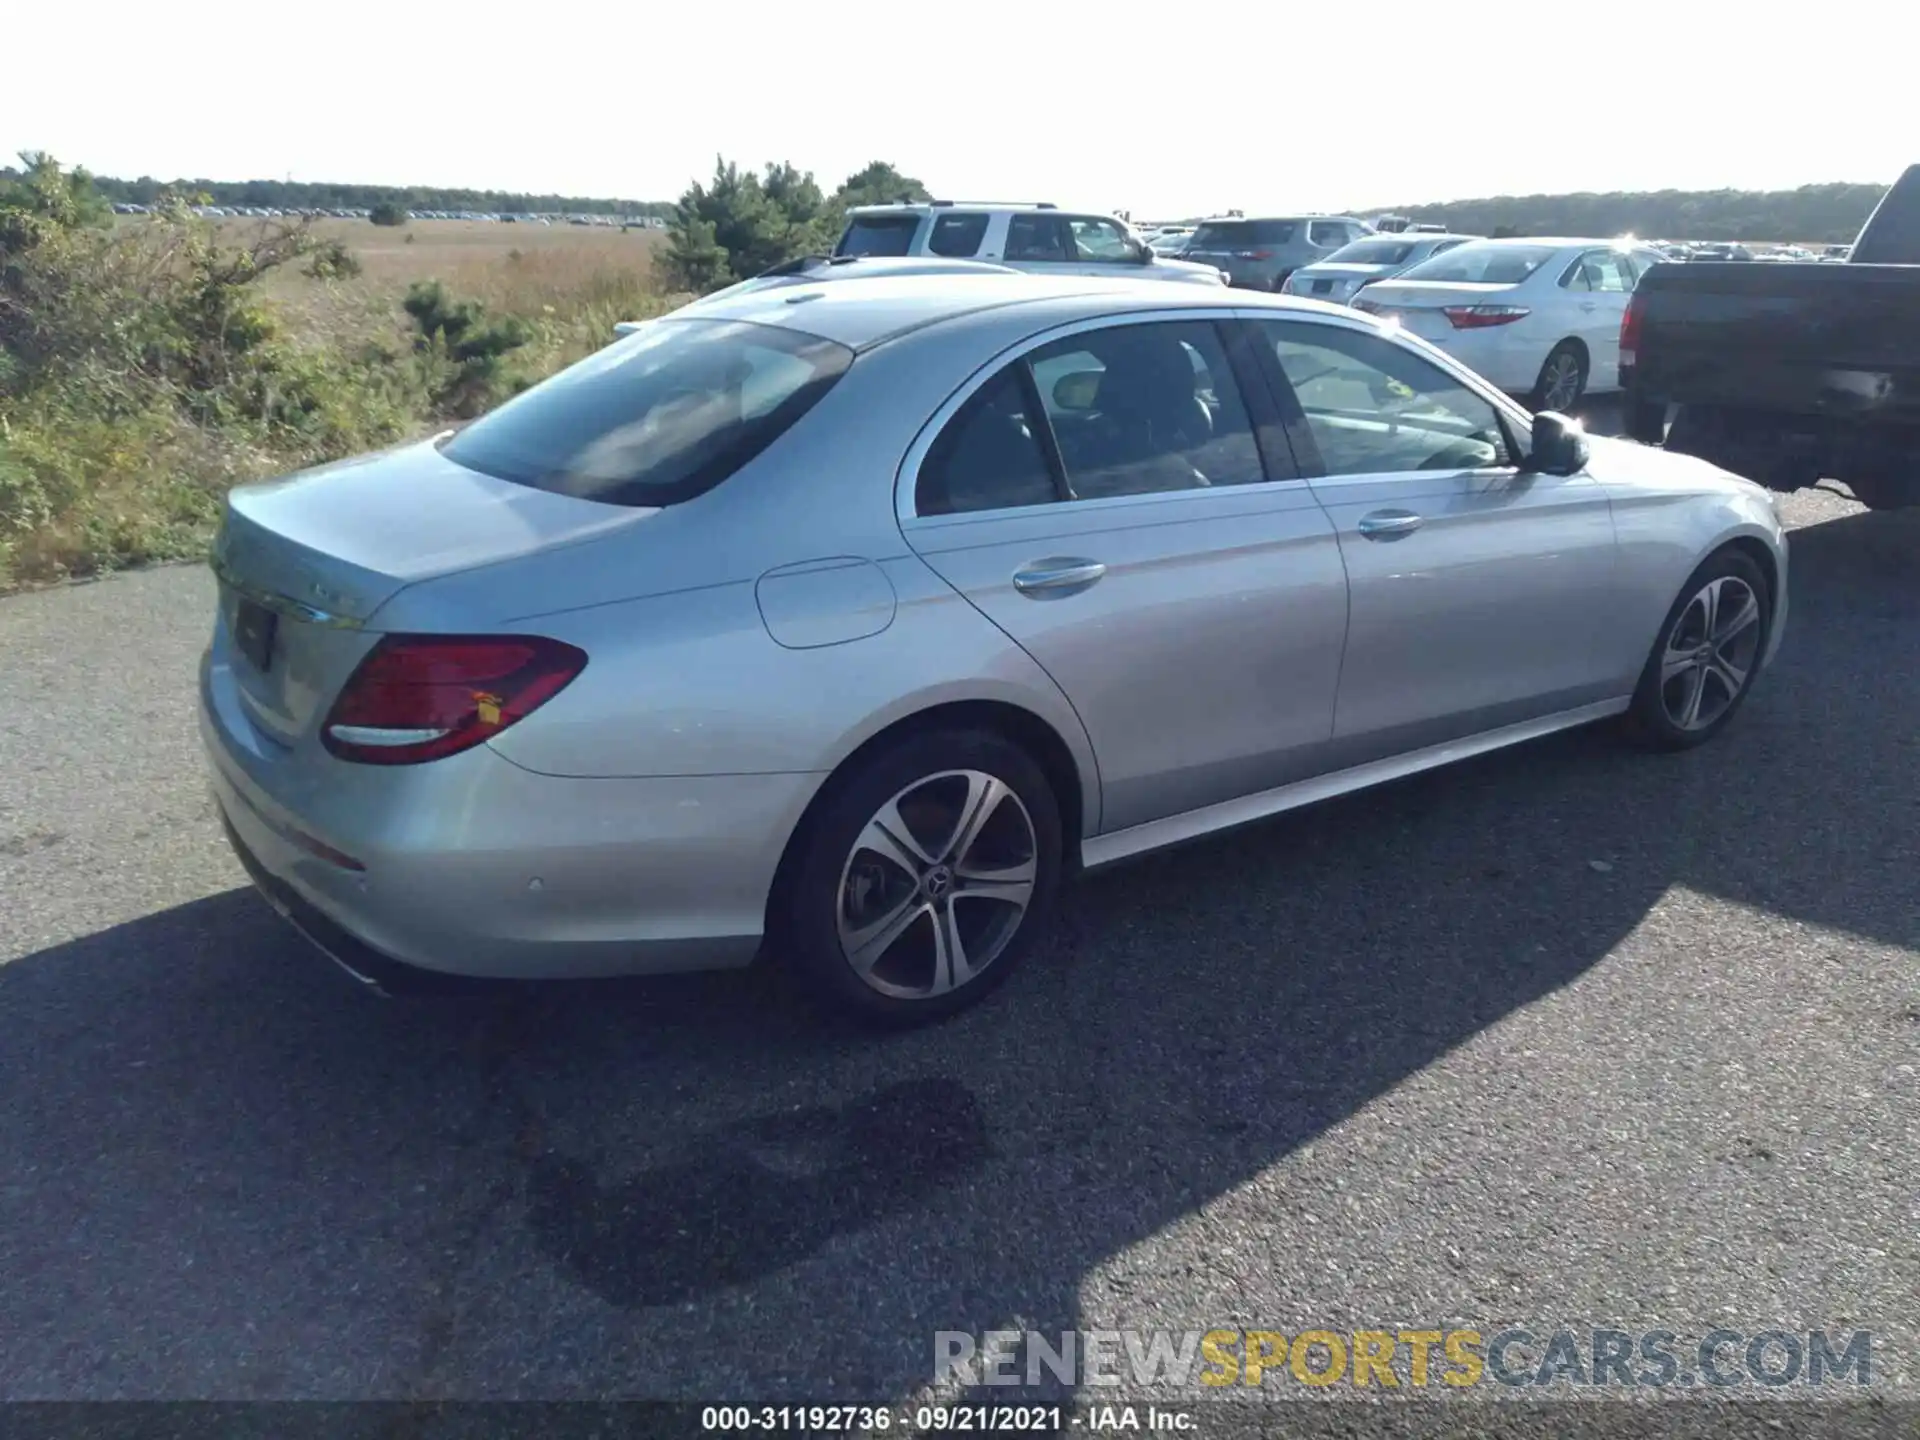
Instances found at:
x=1293 y=215
x=862 y=312
x=928 y=207
x=1423 y=237
x=1561 y=242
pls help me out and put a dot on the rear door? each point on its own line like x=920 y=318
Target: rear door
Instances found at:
x=1481 y=595
x=1603 y=282
x=1119 y=502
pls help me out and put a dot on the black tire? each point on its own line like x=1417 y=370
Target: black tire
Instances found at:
x=806 y=909
x=1537 y=397
x=1646 y=420
x=1280 y=281
x=1647 y=720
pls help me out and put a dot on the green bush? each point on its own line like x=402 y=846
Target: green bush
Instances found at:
x=467 y=347
x=388 y=212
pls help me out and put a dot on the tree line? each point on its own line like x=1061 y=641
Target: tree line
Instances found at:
x=314 y=195
x=1826 y=214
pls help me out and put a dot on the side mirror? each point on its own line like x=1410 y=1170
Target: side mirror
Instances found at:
x=1142 y=253
x=1559 y=445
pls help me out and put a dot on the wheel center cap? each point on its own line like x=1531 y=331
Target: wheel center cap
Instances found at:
x=938 y=883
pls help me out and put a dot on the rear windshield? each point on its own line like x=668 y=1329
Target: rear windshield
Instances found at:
x=659 y=417
x=1482 y=264
x=878 y=235
x=1227 y=233
x=1371 y=252
x=1891 y=235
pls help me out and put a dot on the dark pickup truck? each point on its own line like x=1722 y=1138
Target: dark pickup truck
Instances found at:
x=1789 y=374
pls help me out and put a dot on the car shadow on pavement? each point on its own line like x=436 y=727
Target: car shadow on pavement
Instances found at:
x=700 y=1188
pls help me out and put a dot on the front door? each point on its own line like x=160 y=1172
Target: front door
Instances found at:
x=1481 y=595
x=1104 y=501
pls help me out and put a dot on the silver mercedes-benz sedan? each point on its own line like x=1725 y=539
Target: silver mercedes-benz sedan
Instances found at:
x=844 y=620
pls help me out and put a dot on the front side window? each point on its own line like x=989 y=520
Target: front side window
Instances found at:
x=659 y=417
x=1034 y=237
x=1375 y=407
x=1099 y=239
x=958 y=237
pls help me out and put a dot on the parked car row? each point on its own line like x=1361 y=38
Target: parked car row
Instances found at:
x=274 y=212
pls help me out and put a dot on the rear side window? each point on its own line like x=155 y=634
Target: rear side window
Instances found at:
x=1327 y=232
x=659 y=417
x=878 y=235
x=958 y=237
x=989 y=457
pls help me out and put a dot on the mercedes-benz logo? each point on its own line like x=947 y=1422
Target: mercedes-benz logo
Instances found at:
x=939 y=882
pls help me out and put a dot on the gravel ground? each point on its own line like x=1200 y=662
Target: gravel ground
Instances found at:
x=1564 y=1035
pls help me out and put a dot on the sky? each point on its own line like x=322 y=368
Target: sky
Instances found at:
x=1161 y=109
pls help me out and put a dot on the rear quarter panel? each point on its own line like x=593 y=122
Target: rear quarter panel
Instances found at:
x=679 y=614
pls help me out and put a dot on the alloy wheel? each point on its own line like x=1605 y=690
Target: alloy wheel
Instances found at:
x=1710 y=653
x=937 y=884
x=1560 y=381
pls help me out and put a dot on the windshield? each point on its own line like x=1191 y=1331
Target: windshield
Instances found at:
x=878 y=235
x=659 y=417
x=1371 y=252
x=1482 y=264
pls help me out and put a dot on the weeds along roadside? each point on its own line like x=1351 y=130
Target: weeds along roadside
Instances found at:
x=149 y=364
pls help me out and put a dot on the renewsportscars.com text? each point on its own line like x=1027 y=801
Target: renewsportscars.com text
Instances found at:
x=1437 y=1357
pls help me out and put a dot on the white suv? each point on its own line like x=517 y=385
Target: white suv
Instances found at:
x=1039 y=238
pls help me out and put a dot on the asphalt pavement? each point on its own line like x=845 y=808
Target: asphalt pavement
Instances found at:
x=1568 y=1034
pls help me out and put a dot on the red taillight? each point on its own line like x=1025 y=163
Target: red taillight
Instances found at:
x=1630 y=327
x=1479 y=317
x=421 y=697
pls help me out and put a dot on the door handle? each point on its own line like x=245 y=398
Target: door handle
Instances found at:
x=1054 y=577
x=1588 y=305
x=1390 y=524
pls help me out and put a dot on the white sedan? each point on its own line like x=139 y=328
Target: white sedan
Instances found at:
x=1539 y=318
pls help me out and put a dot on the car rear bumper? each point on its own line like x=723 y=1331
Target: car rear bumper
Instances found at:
x=472 y=866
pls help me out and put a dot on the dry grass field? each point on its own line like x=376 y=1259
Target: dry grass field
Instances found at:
x=191 y=385
x=544 y=274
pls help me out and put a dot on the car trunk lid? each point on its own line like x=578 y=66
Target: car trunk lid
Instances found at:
x=305 y=563
x=1418 y=304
